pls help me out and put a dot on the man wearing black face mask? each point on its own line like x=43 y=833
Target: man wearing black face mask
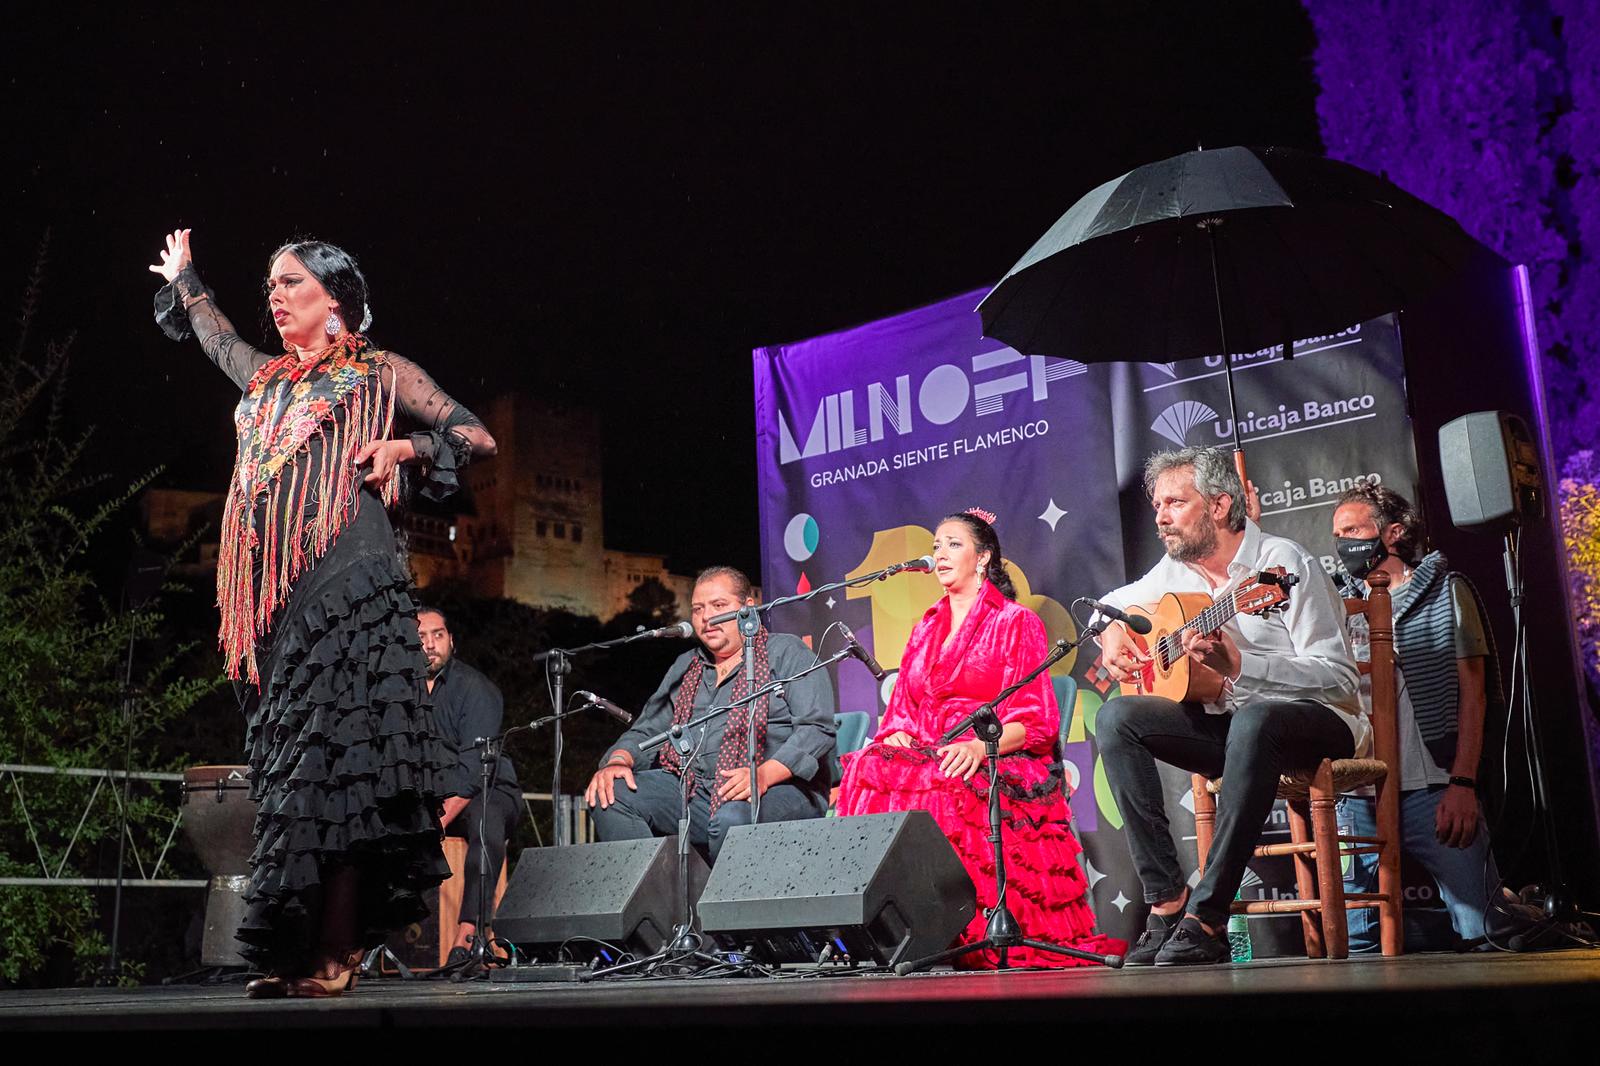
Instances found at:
x=1448 y=675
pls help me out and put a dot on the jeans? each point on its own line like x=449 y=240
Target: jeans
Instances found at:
x=1249 y=749
x=654 y=809
x=1465 y=876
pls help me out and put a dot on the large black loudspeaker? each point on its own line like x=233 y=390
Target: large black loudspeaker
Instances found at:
x=884 y=888
x=1490 y=464
x=625 y=893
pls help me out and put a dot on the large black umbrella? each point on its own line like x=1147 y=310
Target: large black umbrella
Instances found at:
x=1234 y=249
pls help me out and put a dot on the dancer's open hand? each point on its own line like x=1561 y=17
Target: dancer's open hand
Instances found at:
x=176 y=257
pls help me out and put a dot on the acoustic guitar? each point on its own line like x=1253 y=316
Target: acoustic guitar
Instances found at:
x=1176 y=676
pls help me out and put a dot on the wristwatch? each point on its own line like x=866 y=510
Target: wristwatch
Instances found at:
x=1464 y=782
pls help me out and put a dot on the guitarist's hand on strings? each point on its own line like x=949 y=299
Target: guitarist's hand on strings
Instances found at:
x=1215 y=650
x=1120 y=655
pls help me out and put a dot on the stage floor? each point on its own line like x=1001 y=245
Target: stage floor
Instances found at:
x=1479 y=1001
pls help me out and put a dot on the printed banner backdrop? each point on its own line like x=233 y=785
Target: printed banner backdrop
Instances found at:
x=866 y=437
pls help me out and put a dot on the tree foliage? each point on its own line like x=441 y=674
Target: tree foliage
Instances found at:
x=64 y=650
x=1580 y=531
x=1491 y=112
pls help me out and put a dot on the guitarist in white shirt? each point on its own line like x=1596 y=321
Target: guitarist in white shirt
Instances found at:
x=1287 y=697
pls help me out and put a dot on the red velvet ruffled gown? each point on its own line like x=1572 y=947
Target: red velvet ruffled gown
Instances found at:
x=998 y=642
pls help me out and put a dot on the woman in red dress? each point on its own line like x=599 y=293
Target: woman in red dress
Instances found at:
x=972 y=643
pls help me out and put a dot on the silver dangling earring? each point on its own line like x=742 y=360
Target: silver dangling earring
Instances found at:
x=333 y=325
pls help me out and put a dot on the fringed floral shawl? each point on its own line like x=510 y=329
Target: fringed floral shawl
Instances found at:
x=337 y=400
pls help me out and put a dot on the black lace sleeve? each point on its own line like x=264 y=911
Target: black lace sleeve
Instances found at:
x=450 y=435
x=185 y=308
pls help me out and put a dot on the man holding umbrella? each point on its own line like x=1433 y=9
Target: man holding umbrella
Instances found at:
x=1289 y=699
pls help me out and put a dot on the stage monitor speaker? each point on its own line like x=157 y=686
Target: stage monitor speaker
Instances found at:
x=881 y=888
x=625 y=893
x=1490 y=464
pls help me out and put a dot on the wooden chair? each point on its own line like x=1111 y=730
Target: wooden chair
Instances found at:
x=1315 y=841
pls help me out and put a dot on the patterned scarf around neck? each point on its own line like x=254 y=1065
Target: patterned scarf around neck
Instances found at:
x=337 y=398
x=736 y=734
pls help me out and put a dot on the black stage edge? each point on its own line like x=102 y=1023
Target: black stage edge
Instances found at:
x=1476 y=1003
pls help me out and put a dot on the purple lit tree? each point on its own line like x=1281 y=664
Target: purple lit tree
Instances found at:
x=1490 y=111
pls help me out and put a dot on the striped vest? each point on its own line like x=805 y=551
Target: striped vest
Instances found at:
x=1425 y=651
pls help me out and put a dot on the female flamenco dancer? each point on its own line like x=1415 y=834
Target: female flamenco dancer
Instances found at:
x=968 y=646
x=319 y=630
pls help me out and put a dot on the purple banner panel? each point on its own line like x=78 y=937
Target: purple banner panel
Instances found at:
x=867 y=437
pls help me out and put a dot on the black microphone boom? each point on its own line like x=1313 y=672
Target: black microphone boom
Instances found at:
x=606 y=705
x=1138 y=623
x=862 y=653
x=676 y=631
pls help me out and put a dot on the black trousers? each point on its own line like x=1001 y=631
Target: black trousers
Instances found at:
x=1248 y=749
x=503 y=811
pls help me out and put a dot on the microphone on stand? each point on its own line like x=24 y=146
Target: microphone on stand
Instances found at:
x=859 y=652
x=606 y=705
x=676 y=631
x=1138 y=623
x=923 y=565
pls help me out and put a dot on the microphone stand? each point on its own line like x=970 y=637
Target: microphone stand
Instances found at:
x=750 y=618
x=749 y=626
x=1560 y=908
x=673 y=734
x=489 y=757
x=802 y=597
x=684 y=941
x=558 y=664
x=1003 y=931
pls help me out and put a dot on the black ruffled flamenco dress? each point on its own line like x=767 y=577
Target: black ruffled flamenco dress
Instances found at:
x=319 y=631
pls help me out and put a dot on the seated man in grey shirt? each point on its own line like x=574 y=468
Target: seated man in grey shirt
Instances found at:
x=1289 y=699
x=636 y=795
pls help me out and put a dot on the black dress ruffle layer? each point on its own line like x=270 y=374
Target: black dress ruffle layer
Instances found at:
x=344 y=760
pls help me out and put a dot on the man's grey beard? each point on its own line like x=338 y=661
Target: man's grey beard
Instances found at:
x=1185 y=550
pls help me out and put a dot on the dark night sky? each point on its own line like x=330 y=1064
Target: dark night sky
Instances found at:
x=611 y=209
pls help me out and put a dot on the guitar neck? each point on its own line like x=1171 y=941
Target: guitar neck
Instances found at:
x=1169 y=648
x=1214 y=617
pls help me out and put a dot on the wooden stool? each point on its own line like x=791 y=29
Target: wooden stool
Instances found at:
x=1315 y=841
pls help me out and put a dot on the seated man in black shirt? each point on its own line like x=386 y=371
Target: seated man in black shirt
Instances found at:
x=795 y=736
x=467 y=708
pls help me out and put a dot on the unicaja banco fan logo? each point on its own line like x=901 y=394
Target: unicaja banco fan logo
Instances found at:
x=1176 y=421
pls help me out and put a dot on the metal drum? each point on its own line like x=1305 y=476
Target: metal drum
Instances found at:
x=219 y=819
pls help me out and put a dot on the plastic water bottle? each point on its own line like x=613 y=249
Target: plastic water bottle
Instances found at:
x=1239 y=936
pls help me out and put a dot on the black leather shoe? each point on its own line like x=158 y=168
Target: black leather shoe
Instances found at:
x=1191 y=945
x=1157 y=931
x=458 y=957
